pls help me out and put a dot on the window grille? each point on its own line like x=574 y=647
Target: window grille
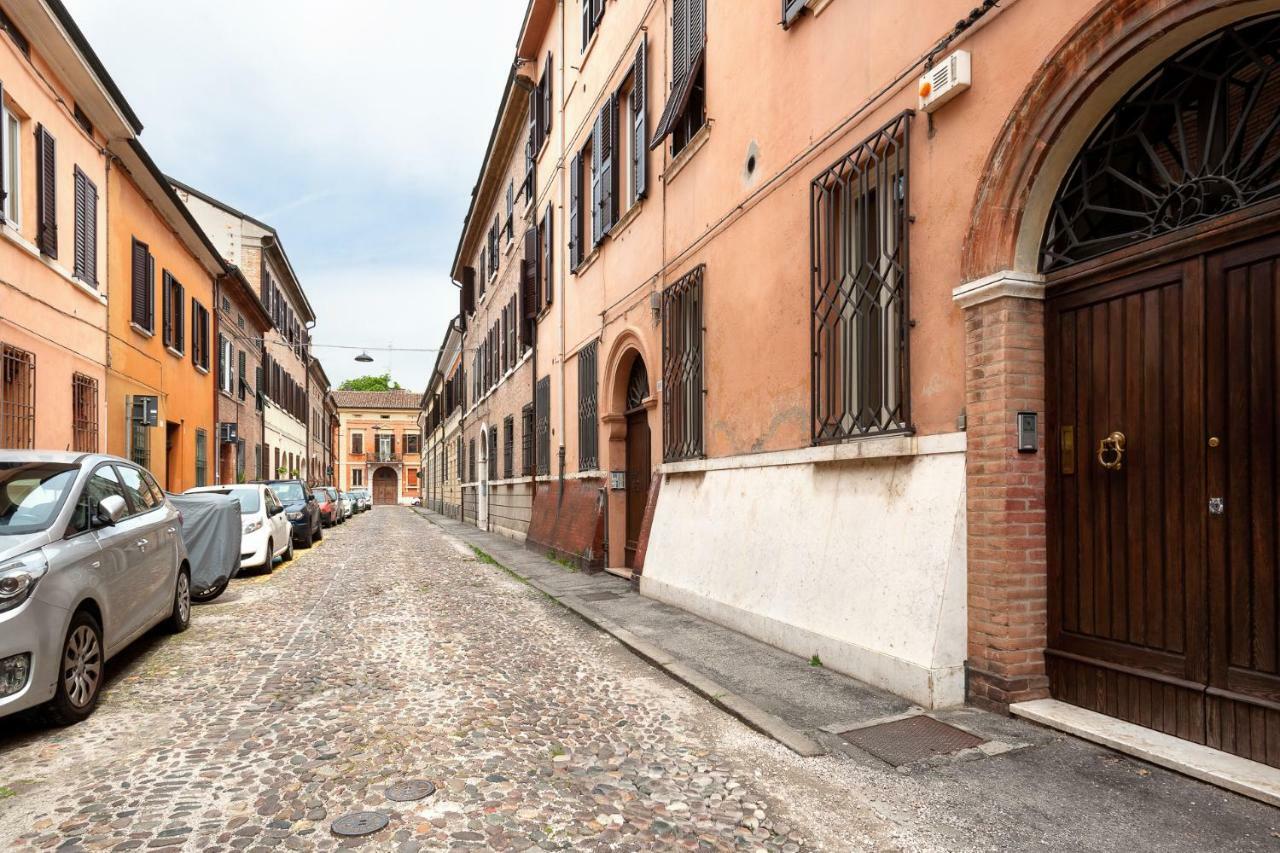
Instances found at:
x=460 y=458
x=526 y=440
x=202 y=458
x=509 y=446
x=140 y=444
x=682 y=393
x=84 y=413
x=18 y=399
x=588 y=442
x=471 y=461
x=492 y=453
x=542 y=424
x=859 y=289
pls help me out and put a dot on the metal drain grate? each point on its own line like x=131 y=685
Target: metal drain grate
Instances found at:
x=911 y=739
x=600 y=596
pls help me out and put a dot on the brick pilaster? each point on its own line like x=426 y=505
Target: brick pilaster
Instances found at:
x=1004 y=374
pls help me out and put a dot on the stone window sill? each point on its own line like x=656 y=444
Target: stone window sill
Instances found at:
x=682 y=159
x=881 y=447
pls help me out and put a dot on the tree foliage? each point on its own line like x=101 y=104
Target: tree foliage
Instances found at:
x=371 y=383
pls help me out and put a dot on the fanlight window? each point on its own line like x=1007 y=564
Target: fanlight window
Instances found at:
x=1198 y=138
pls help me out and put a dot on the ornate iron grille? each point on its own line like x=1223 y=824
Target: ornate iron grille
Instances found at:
x=542 y=424
x=509 y=446
x=682 y=391
x=1199 y=137
x=84 y=414
x=637 y=386
x=588 y=433
x=859 y=290
x=17 y=399
x=526 y=440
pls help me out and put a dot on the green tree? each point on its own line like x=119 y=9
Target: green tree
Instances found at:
x=371 y=383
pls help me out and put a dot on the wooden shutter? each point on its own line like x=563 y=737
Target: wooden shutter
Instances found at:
x=241 y=374
x=529 y=274
x=640 y=126
x=609 y=163
x=4 y=132
x=195 y=332
x=588 y=23
x=547 y=109
x=535 y=109
x=79 y=231
x=179 y=332
x=597 y=11
x=91 y=232
x=679 y=40
x=224 y=369
x=791 y=10
x=468 y=294
x=597 y=185
x=548 y=255
x=166 y=309
x=140 y=285
x=46 y=192
x=575 y=212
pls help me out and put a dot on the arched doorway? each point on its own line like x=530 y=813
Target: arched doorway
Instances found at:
x=639 y=458
x=1162 y=262
x=482 y=485
x=385 y=491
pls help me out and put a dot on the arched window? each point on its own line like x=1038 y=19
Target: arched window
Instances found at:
x=1197 y=138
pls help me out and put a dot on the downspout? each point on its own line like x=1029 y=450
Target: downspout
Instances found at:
x=564 y=265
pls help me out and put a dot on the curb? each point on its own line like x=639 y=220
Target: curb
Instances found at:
x=683 y=672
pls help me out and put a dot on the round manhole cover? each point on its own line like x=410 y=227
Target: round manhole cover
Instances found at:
x=359 y=823
x=414 y=789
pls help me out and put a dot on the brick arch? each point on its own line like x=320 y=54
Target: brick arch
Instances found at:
x=1111 y=49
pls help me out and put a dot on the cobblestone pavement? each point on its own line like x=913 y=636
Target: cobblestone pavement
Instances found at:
x=385 y=654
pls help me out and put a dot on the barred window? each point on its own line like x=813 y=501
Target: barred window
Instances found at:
x=471 y=461
x=859 y=289
x=542 y=424
x=460 y=458
x=202 y=458
x=491 y=452
x=140 y=444
x=526 y=440
x=18 y=399
x=682 y=368
x=84 y=413
x=509 y=446
x=588 y=443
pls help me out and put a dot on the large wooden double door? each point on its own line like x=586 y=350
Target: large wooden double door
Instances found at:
x=1163 y=545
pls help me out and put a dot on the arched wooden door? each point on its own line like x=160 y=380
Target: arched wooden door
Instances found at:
x=384 y=487
x=639 y=456
x=1163 y=374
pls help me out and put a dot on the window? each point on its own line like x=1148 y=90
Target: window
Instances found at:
x=84 y=413
x=592 y=14
x=199 y=335
x=411 y=442
x=493 y=247
x=684 y=114
x=14 y=33
x=357 y=442
x=226 y=365
x=604 y=178
x=141 y=499
x=459 y=456
x=510 y=227
x=17 y=399
x=243 y=384
x=542 y=423
x=526 y=440
x=260 y=391
x=791 y=10
x=142 y=277
x=471 y=461
x=102 y=484
x=139 y=444
x=580 y=210
x=682 y=368
x=240 y=460
x=172 y=310
x=492 y=453
x=588 y=443
x=509 y=447
x=540 y=115
x=357 y=478
x=859 y=291
x=202 y=458
x=46 y=192
x=86 y=254
x=11 y=162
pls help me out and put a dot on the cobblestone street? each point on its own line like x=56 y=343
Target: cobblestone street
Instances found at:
x=383 y=655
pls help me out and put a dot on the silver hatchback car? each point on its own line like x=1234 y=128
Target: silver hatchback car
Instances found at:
x=91 y=557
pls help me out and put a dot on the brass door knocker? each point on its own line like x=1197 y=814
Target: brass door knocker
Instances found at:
x=1111 y=451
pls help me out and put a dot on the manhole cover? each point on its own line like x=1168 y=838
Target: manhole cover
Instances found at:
x=359 y=823
x=414 y=789
x=911 y=739
x=599 y=596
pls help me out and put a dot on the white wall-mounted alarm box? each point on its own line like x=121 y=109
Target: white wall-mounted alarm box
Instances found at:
x=944 y=80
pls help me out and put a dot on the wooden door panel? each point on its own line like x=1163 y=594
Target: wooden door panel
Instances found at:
x=639 y=472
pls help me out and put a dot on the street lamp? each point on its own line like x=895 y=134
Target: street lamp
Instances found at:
x=364 y=358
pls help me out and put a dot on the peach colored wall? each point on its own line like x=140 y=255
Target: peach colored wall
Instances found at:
x=400 y=422
x=42 y=310
x=140 y=363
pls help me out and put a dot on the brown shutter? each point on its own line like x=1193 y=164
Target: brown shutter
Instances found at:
x=195 y=333
x=548 y=255
x=597 y=186
x=529 y=274
x=81 y=230
x=640 y=129
x=179 y=332
x=548 y=110
x=166 y=309
x=468 y=294
x=535 y=121
x=46 y=192
x=678 y=101
x=680 y=53
x=141 y=285
x=575 y=212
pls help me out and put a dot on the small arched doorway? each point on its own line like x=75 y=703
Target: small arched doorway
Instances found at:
x=1162 y=256
x=384 y=487
x=639 y=457
x=482 y=480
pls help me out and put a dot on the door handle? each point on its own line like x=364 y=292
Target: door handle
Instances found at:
x=141 y=543
x=97 y=564
x=1111 y=451
x=172 y=530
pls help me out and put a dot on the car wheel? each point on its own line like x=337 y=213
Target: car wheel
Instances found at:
x=212 y=592
x=270 y=565
x=288 y=552
x=80 y=673
x=319 y=537
x=180 y=618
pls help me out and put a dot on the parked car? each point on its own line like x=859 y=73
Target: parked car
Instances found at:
x=211 y=533
x=348 y=505
x=327 y=500
x=265 y=535
x=364 y=501
x=300 y=510
x=91 y=558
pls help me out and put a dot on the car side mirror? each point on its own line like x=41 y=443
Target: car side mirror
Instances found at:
x=111 y=509
x=311 y=499
x=275 y=510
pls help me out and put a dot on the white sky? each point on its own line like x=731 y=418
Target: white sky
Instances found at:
x=356 y=129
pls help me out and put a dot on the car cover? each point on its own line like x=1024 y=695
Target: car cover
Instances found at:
x=211 y=531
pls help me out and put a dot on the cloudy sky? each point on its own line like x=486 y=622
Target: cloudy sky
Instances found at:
x=355 y=129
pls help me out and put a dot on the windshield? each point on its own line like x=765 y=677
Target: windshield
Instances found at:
x=289 y=493
x=321 y=495
x=31 y=493
x=250 y=502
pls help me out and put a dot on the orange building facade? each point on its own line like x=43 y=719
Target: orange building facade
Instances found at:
x=379 y=444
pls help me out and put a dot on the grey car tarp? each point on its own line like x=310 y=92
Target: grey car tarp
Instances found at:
x=211 y=532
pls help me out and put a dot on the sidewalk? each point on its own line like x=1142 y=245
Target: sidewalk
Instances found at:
x=1038 y=777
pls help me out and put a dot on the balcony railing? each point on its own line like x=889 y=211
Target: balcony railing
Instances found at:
x=382 y=456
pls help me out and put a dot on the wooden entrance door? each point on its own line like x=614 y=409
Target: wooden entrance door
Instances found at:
x=1162 y=600
x=384 y=487
x=639 y=471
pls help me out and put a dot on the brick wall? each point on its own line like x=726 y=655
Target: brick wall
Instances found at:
x=1004 y=341
x=646 y=525
x=568 y=519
